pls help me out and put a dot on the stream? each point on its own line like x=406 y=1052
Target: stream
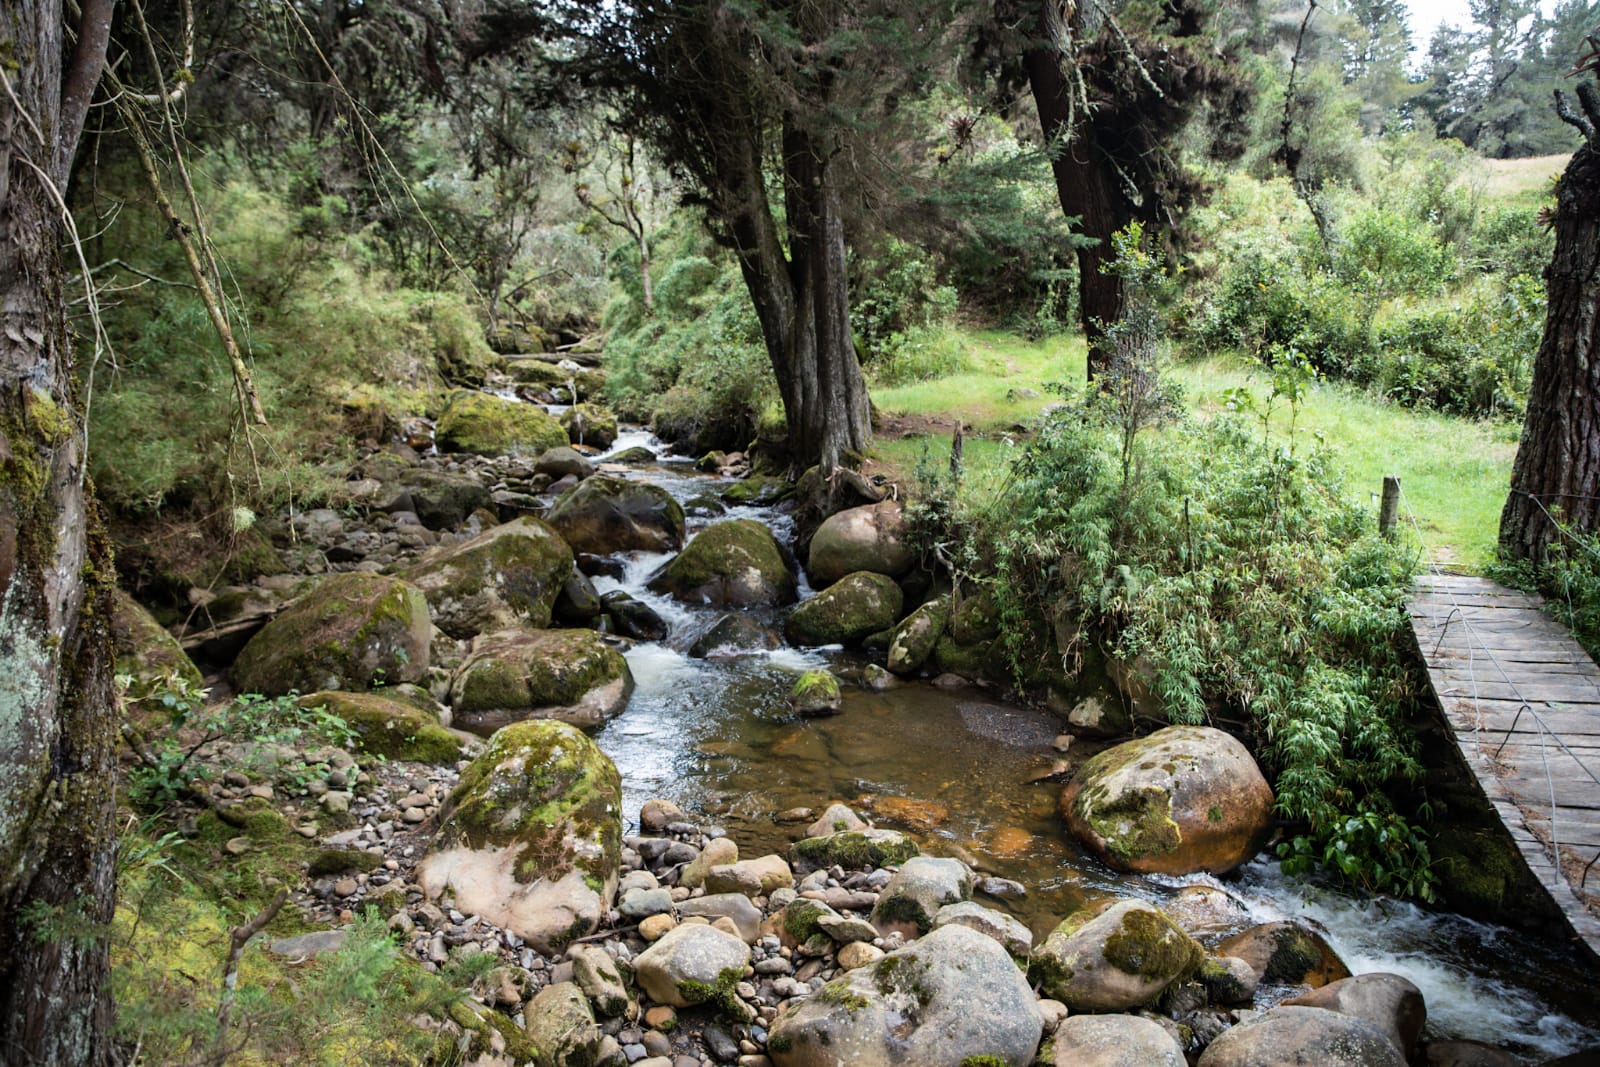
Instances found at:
x=717 y=737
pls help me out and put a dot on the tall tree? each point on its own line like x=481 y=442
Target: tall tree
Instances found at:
x=1116 y=86
x=1557 y=471
x=57 y=721
x=762 y=106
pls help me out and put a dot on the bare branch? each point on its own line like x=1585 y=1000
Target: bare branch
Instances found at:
x=237 y=940
x=1571 y=117
x=77 y=89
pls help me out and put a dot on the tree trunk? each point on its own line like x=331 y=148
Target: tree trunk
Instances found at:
x=1557 y=471
x=802 y=300
x=57 y=719
x=1084 y=184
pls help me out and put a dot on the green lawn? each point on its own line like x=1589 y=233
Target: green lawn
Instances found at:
x=1453 y=472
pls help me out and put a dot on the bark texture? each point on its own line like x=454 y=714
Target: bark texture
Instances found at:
x=57 y=718
x=1557 y=470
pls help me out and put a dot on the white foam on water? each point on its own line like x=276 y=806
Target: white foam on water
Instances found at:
x=1448 y=957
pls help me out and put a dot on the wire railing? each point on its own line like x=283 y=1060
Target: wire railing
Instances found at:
x=1548 y=738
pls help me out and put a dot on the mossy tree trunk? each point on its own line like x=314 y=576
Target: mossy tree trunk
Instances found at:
x=1557 y=470
x=57 y=718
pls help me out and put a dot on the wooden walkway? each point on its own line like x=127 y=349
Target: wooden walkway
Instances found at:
x=1522 y=699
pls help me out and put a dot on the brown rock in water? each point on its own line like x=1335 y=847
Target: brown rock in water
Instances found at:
x=1184 y=799
x=1285 y=953
x=919 y=816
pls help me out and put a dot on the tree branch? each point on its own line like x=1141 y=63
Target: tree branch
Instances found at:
x=77 y=86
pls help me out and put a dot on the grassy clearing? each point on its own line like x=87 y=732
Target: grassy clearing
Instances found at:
x=983 y=395
x=1453 y=471
x=1522 y=177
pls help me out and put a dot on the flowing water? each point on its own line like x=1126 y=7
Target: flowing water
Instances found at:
x=717 y=737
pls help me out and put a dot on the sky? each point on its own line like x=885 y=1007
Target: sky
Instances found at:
x=1428 y=15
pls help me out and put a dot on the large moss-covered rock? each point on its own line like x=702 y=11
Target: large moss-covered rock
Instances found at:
x=868 y=538
x=952 y=998
x=570 y=675
x=507 y=575
x=1118 y=960
x=348 y=632
x=590 y=424
x=531 y=837
x=146 y=652
x=912 y=898
x=733 y=564
x=1184 y=799
x=606 y=515
x=691 y=965
x=914 y=638
x=394 y=729
x=547 y=375
x=851 y=609
x=561 y=1025
x=491 y=426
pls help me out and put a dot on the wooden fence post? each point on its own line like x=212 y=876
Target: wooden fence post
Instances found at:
x=1389 y=507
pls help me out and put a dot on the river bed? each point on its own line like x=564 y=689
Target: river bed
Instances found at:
x=718 y=738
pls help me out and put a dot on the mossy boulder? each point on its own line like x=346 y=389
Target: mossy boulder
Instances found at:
x=735 y=635
x=506 y=576
x=846 y=612
x=975 y=618
x=691 y=965
x=1286 y=953
x=1184 y=799
x=912 y=898
x=590 y=424
x=758 y=489
x=149 y=655
x=816 y=693
x=441 y=500
x=914 y=638
x=547 y=375
x=394 y=729
x=952 y=998
x=1119 y=960
x=560 y=462
x=561 y=1026
x=569 y=675
x=868 y=538
x=852 y=850
x=969 y=661
x=492 y=426
x=531 y=837
x=733 y=564
x=605 y=515
x=348 y=632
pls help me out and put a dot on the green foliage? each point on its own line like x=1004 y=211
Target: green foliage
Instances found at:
x=696 y=370
x=1382 y=253
x=176 y=761
x=1569 y=579
x=318 y=319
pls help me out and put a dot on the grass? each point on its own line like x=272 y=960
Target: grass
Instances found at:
x=1453 y=472
x=1522 y=177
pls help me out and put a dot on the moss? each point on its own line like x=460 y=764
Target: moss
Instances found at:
x=546 y=786
x=353 y=629
x=1214 y=814
x=969 y=661
x=1139 y=822
x=524 y=563
x=146 y=652
x=590 y=424
x=853 y=850
x=780 y=1043
x=259 y=820
x=847 y=611
x=720 y=993
x=1477 y=870
x=722 y=551
x=985 y=1061
x=839 y=993
x=490 y=426
x=906 y=909
x=816 y=688
x=1149 y=945
x=913 y=640
x=904 y=974
x=390 y=728
x=758 y=489
x=544 y=669
x=338 y=860
x=800 y=919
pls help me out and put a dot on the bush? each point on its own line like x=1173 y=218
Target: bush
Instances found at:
x=1384 y=253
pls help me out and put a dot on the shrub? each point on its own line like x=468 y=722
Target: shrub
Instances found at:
x=1385 y=253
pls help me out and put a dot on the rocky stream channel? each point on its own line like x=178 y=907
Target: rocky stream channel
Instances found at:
x=595 y=768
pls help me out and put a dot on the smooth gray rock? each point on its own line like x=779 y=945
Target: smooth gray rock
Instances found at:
x=1302 y=1037
x=1115 y=1041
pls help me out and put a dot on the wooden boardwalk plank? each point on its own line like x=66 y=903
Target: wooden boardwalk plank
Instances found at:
x=1522 y=699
